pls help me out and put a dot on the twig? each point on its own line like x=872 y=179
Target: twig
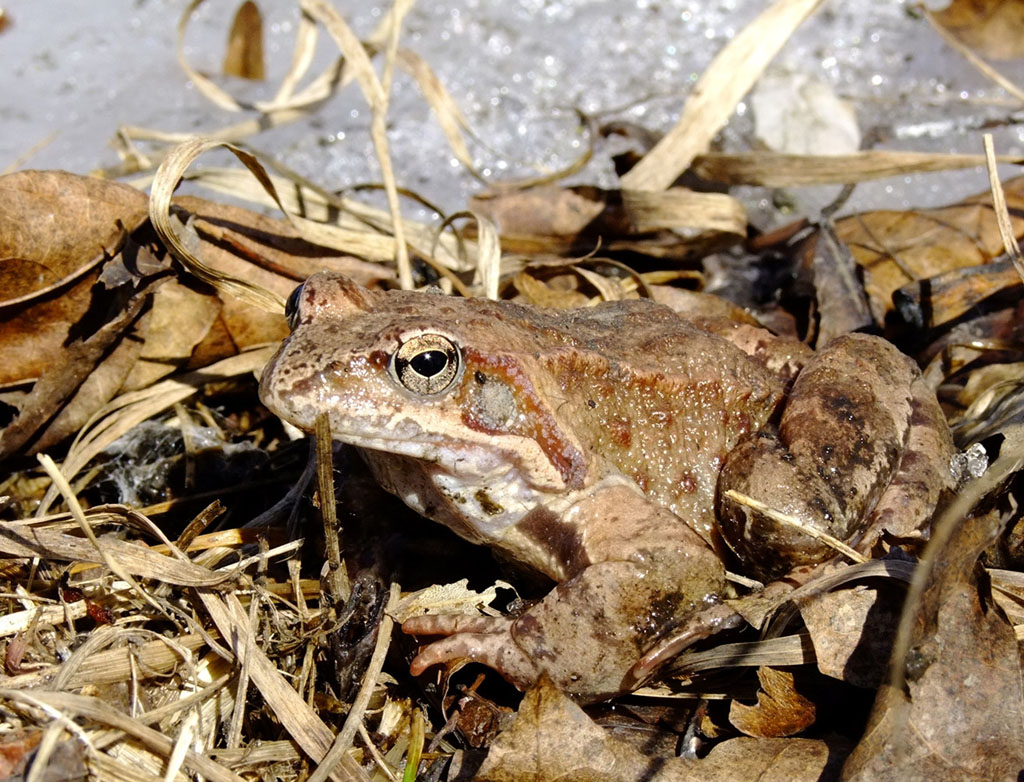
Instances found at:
x=794 y=522
x=971 y=57
x=337 y=578
x=999 y=207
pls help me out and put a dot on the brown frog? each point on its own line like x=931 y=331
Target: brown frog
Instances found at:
x=596 y=446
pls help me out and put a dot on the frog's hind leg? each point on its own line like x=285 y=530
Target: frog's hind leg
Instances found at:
x=904 y=509
x=858 y=419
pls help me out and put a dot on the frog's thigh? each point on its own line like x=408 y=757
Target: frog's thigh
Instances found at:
x=839 y=444
x=924 y=472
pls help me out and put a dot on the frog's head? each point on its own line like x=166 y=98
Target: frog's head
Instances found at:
x=447 y=380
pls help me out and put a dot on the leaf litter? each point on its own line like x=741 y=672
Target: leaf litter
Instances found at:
x=144 y=641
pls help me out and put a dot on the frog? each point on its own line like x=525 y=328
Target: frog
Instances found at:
x=610 y=448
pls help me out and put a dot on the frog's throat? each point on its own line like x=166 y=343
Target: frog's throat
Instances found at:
x=473 y=458
x=484 y=510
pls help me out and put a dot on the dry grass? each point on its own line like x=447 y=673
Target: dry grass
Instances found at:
x=204 y=655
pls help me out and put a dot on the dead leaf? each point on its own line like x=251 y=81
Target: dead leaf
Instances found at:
x=244 y=56
x=842 y=305
x=98 y=387
x=852 y=632
x=552 y=738
x=564 y=220
x=481 y=720
x=936 y=301
x=991 y=27
x=266 y=252
x=542 y=218
x=780 y=710
x=548 y=293
x=54 y=226
x=957 y=711
x=894 y=249
x=66 y=379
x=748 y=759
x=188 y=325
x=55 y=230
x=971 y=339
x=179 y=319
x=456 y=598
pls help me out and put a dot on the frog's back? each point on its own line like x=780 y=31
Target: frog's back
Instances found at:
x=661 y=401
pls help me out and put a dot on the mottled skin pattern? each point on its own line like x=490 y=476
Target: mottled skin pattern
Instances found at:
x=595 y=445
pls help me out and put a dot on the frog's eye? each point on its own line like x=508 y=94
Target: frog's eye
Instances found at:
x=426 y=364
x=291 y=307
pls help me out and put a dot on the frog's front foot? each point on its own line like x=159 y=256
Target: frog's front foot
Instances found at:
x=483 y=639
x=645 y=572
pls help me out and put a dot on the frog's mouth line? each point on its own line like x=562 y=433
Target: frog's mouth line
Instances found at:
x=457 y=459
x=481 y=461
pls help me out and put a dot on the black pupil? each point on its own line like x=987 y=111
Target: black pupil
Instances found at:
x=429 y=362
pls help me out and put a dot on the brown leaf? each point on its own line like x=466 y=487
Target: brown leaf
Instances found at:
x=543 y=293
x=96 y=389
x=895 y=249
x=179 y=319
x=957 y=710
x=543 y=218
x=774 y=760
x=553 y=739
x=852 y=632
x=267 y=252
x=69 y=368
x=244 y=56
x=992 y=27
x=842 y=305
x=941 y=299
x=480 y=720
x=966 y=341
x=31 y=333
x=780 y=710
x=563 y=220
x=55 y=225
x=55 y=230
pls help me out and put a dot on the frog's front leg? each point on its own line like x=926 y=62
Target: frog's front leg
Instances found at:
x=637 y=571
x=860 y=436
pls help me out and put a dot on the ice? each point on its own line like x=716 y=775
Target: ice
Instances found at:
x=519 y=70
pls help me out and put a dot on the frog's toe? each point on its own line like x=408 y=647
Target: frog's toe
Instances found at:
x=494 y=648
x=699 y=626
x=450 y=624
